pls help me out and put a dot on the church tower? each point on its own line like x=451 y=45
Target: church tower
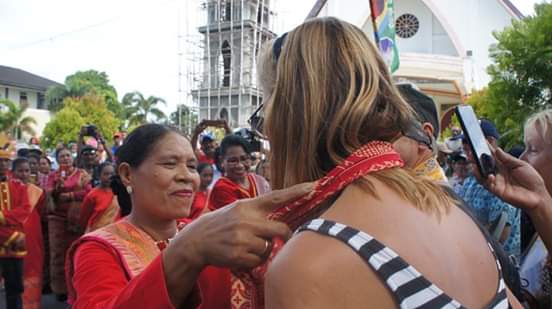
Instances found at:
x=232 y=36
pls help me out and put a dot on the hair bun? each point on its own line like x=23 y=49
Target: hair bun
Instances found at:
x=117 y=185
x=123 y=197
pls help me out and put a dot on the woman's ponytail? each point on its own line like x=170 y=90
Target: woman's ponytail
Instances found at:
x=123 y=197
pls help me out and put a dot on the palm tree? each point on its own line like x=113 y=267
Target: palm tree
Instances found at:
x=138 y=109
x=12 y=119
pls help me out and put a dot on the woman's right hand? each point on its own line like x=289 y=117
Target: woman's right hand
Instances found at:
x=517 y=182
x=239 y=235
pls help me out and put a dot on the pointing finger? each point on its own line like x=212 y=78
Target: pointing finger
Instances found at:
x=276 y=199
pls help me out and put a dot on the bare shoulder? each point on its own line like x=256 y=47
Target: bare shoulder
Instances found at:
x=316 y=271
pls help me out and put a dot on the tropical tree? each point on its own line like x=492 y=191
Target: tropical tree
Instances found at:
x=521 y=75
x=82 y=83
x=139 y=109
x=12 y=119
x=89 y=109
x=184 y=118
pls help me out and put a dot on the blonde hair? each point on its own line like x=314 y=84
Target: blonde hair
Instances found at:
x=333 y=94
x=542 y=122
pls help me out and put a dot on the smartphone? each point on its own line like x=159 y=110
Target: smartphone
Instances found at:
x=63 y=169
x=478 y=143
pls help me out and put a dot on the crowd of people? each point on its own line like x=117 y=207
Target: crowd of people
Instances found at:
x=355 y=204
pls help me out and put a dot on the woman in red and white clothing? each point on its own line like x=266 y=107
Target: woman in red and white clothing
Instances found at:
x=205 y=171
x=143 y=260
x=68 y=186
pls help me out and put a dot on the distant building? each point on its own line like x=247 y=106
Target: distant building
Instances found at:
x=22 y=87
x=443 y=44
x=232 y=34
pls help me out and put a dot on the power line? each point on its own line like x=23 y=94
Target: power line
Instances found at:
x=63 y=34
x=81 y=29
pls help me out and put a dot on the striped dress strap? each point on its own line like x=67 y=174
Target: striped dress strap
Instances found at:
x=409 y=288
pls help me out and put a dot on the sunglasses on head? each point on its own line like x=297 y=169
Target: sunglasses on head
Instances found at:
x=417 y=133
x=256 y=120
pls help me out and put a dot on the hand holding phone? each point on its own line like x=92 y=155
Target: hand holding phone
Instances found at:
x=481 y=151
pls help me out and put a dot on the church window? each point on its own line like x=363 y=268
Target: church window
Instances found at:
x=223 y=115
x=407 y=25
x=225 y=10
x=226 y=62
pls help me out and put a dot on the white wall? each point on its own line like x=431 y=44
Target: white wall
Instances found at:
x=14 y=93
x=431 y=38
x=41 y=116
x=473 y=22
x=447 y=27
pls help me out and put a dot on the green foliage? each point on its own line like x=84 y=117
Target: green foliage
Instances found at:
x=188 y=119
x=82 y=83
x=521 y=74
x=12 y=119
x=138 y=110
x=89 y=109
x=65 y=127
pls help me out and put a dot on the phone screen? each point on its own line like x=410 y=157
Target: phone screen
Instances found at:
x=480 y=148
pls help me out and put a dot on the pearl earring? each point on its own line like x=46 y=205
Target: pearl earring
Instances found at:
x=129 y=189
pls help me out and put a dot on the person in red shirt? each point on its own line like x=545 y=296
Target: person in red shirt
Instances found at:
x=207 y=150
x=224 y=289
x=100 y=206
x=205 y=171
x=14 y=211
x=237 y=183
x=33 y=266
x=143 y=261
x=68 y=186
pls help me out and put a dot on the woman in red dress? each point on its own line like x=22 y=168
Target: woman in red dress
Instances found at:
x=238 y=183
x=100 y=206
x=68 y=186
x=225 y=290
x=33 y=263
x=44 y=169
x=205 y=171
x=142 y=261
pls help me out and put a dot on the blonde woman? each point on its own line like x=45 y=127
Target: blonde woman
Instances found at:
x=527 y=184
x=371 y=235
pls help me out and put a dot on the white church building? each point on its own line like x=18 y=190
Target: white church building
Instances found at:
x=443 y=44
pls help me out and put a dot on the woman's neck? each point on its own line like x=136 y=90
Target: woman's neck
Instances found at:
x=157 y=229
x=242 y=181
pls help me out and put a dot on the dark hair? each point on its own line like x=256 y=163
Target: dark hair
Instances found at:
x=59 y=150
x=135 y=149
x=233 y=140
x=19 y=161
x=123 y=198
x=33 y=156
x=203 y=166
x=104 y=165
x=218 y=160
x=46 y=158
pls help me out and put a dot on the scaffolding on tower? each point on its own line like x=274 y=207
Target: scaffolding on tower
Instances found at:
x=220 y=77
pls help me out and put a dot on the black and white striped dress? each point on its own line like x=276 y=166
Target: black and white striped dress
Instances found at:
x=408 y=286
